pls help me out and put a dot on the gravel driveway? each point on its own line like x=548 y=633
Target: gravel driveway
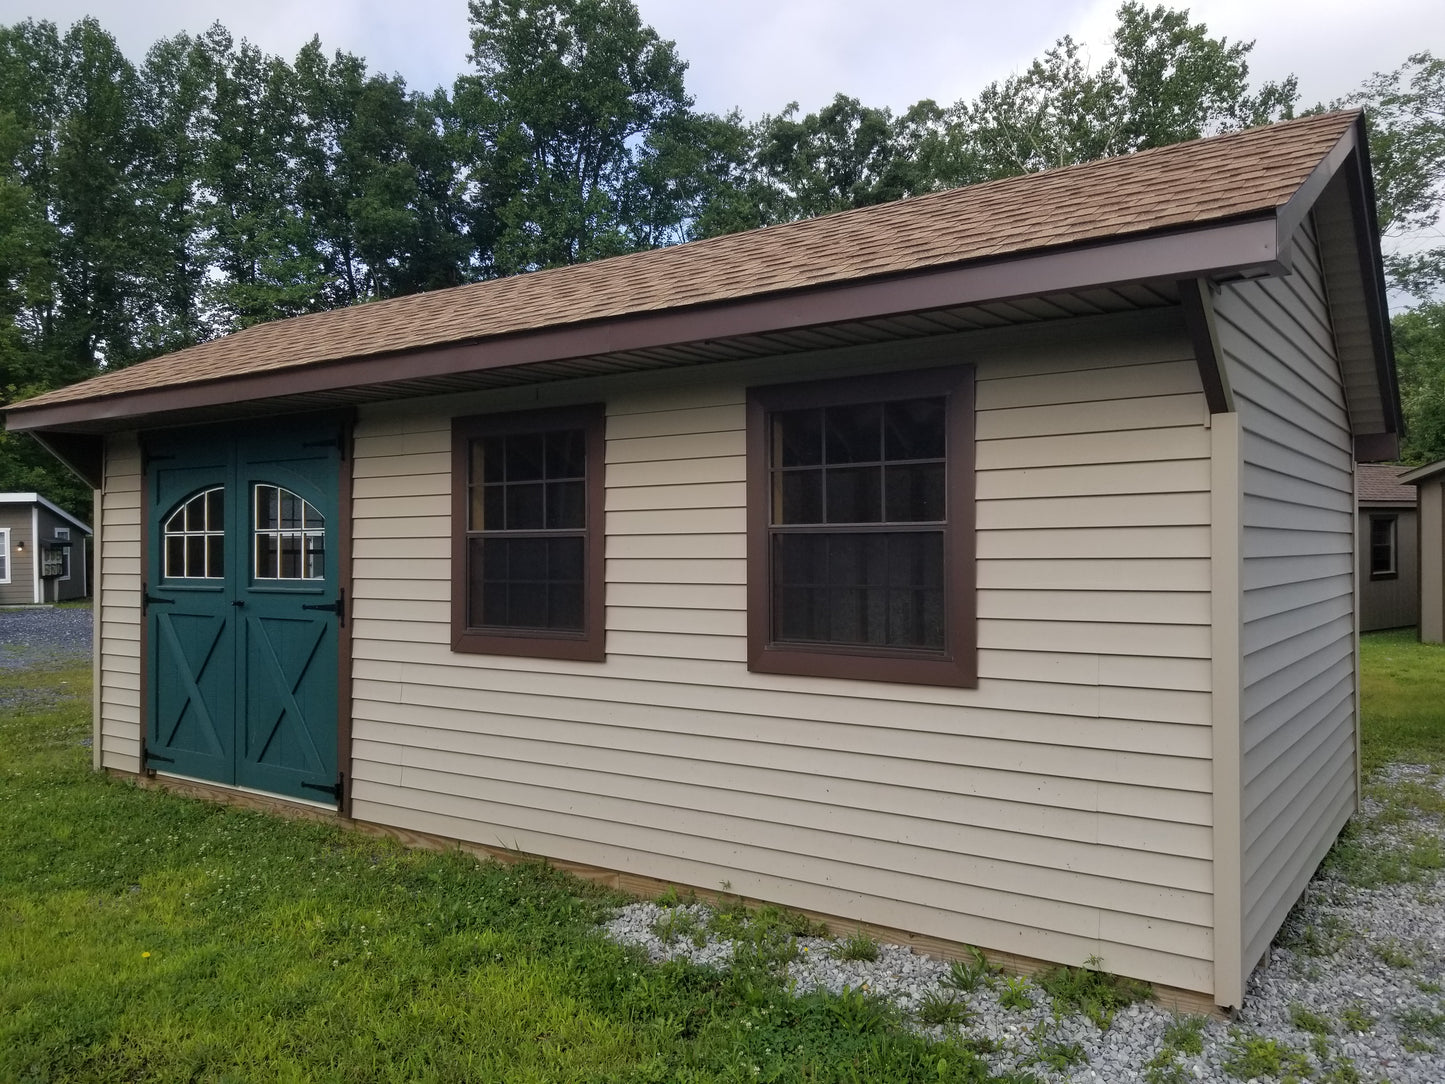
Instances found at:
x=44 y=635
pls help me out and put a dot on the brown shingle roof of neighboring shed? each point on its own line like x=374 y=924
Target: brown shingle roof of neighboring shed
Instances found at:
x=1234 y=176
x=1380 y=484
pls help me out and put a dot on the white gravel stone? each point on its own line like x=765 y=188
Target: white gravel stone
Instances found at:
x=1369 y=957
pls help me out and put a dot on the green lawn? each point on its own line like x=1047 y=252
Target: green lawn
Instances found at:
x=149 y=937
x=1403 y=688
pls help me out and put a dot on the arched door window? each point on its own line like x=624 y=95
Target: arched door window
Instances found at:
x=195 y=537
x=290 y=536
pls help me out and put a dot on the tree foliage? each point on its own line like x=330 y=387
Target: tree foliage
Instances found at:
x=1405 y=109
x=145 y=207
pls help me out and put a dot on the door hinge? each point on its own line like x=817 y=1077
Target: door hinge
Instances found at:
x=147 y=600
x=338 y=607
x=337 y=790
x=147 y=754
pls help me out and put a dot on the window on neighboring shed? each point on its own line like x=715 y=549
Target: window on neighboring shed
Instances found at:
x=4 y=554
x=527 y=533
x=860 y=525
x=1384 y=555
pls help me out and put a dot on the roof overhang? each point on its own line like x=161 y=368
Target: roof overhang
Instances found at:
x=36 y=498
x=1248 y=248
x=1185 y=259
x=1429 y=472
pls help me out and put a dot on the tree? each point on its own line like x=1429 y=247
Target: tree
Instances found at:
x=1419 y=336
x=1167 y=81
x=1405 y=110
x=570 y=97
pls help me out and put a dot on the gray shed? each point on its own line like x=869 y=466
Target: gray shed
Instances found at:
x=44 y=552
x=1389 y=568
x=1429 y=484
x=978 y=567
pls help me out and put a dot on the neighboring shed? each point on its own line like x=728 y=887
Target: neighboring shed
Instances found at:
x=43 y=552
x=980 y=565
x=1429 y=484
x=1389 y=567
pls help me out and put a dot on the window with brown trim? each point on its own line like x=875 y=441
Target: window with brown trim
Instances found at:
x=1384 y=532
x=860 y=528
x=527 y=546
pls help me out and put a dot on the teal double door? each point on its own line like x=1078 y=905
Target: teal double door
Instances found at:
x=243 y=606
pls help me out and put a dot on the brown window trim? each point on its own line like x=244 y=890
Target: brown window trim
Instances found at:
x=957 y=664
x=588 y=645
x=1394 y=520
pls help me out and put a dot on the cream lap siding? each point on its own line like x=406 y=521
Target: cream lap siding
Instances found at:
x=1061 y=809
x=117 y=597
x=1298 y=670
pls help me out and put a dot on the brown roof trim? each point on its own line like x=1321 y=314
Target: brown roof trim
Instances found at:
x=1250 y=245
x=1359 y=178
x=1307 y=195
x=1198 y=306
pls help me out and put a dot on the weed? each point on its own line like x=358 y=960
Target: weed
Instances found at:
x=1015 y=994
x=1185 y=1034
x=938 y=1009
x=668 y=897
x=1427 y=987
x=1422 y=1029
x=1096 y=994
x=1250 y=1056
x=1302 y=1019
x=856 y=946
x=1392 y=953
x=680 y=923
x=1059 y=1055
x=1164 y=1068
x=1342 y=1071
x=968 y=975
x=1357 y=1018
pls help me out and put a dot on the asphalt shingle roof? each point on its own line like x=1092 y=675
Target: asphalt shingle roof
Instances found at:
x=1203 y=182
x=1379 y=484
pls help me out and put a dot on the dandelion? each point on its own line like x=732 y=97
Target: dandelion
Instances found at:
x=145 y=955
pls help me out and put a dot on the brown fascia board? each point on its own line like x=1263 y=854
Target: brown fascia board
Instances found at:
x=1244 y=246
x=1352 y=155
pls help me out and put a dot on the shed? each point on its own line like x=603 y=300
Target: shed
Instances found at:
x=1389 y=567
x=978 y=567
x=43 y=552
x=1429 y=484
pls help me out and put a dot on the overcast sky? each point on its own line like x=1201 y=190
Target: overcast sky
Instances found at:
x=759 y=55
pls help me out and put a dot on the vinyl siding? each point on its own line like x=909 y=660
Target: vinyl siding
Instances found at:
x=20 y=591
x=1432 y=561
x=1298 y=556
x=1061 y=809
x=117 y=595
x=1390 y=602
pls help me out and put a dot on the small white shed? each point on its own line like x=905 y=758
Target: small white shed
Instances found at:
x=979 y=566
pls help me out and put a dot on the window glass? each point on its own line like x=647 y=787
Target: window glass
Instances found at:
x=527 y=508
x=1382 y=545
x=289 y=538
x=193 y=546
x=859 y=464
x=527 y=560
x=861 y=528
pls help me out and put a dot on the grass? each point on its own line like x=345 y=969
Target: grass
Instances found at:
x=1400 y=685
x=144 y=936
